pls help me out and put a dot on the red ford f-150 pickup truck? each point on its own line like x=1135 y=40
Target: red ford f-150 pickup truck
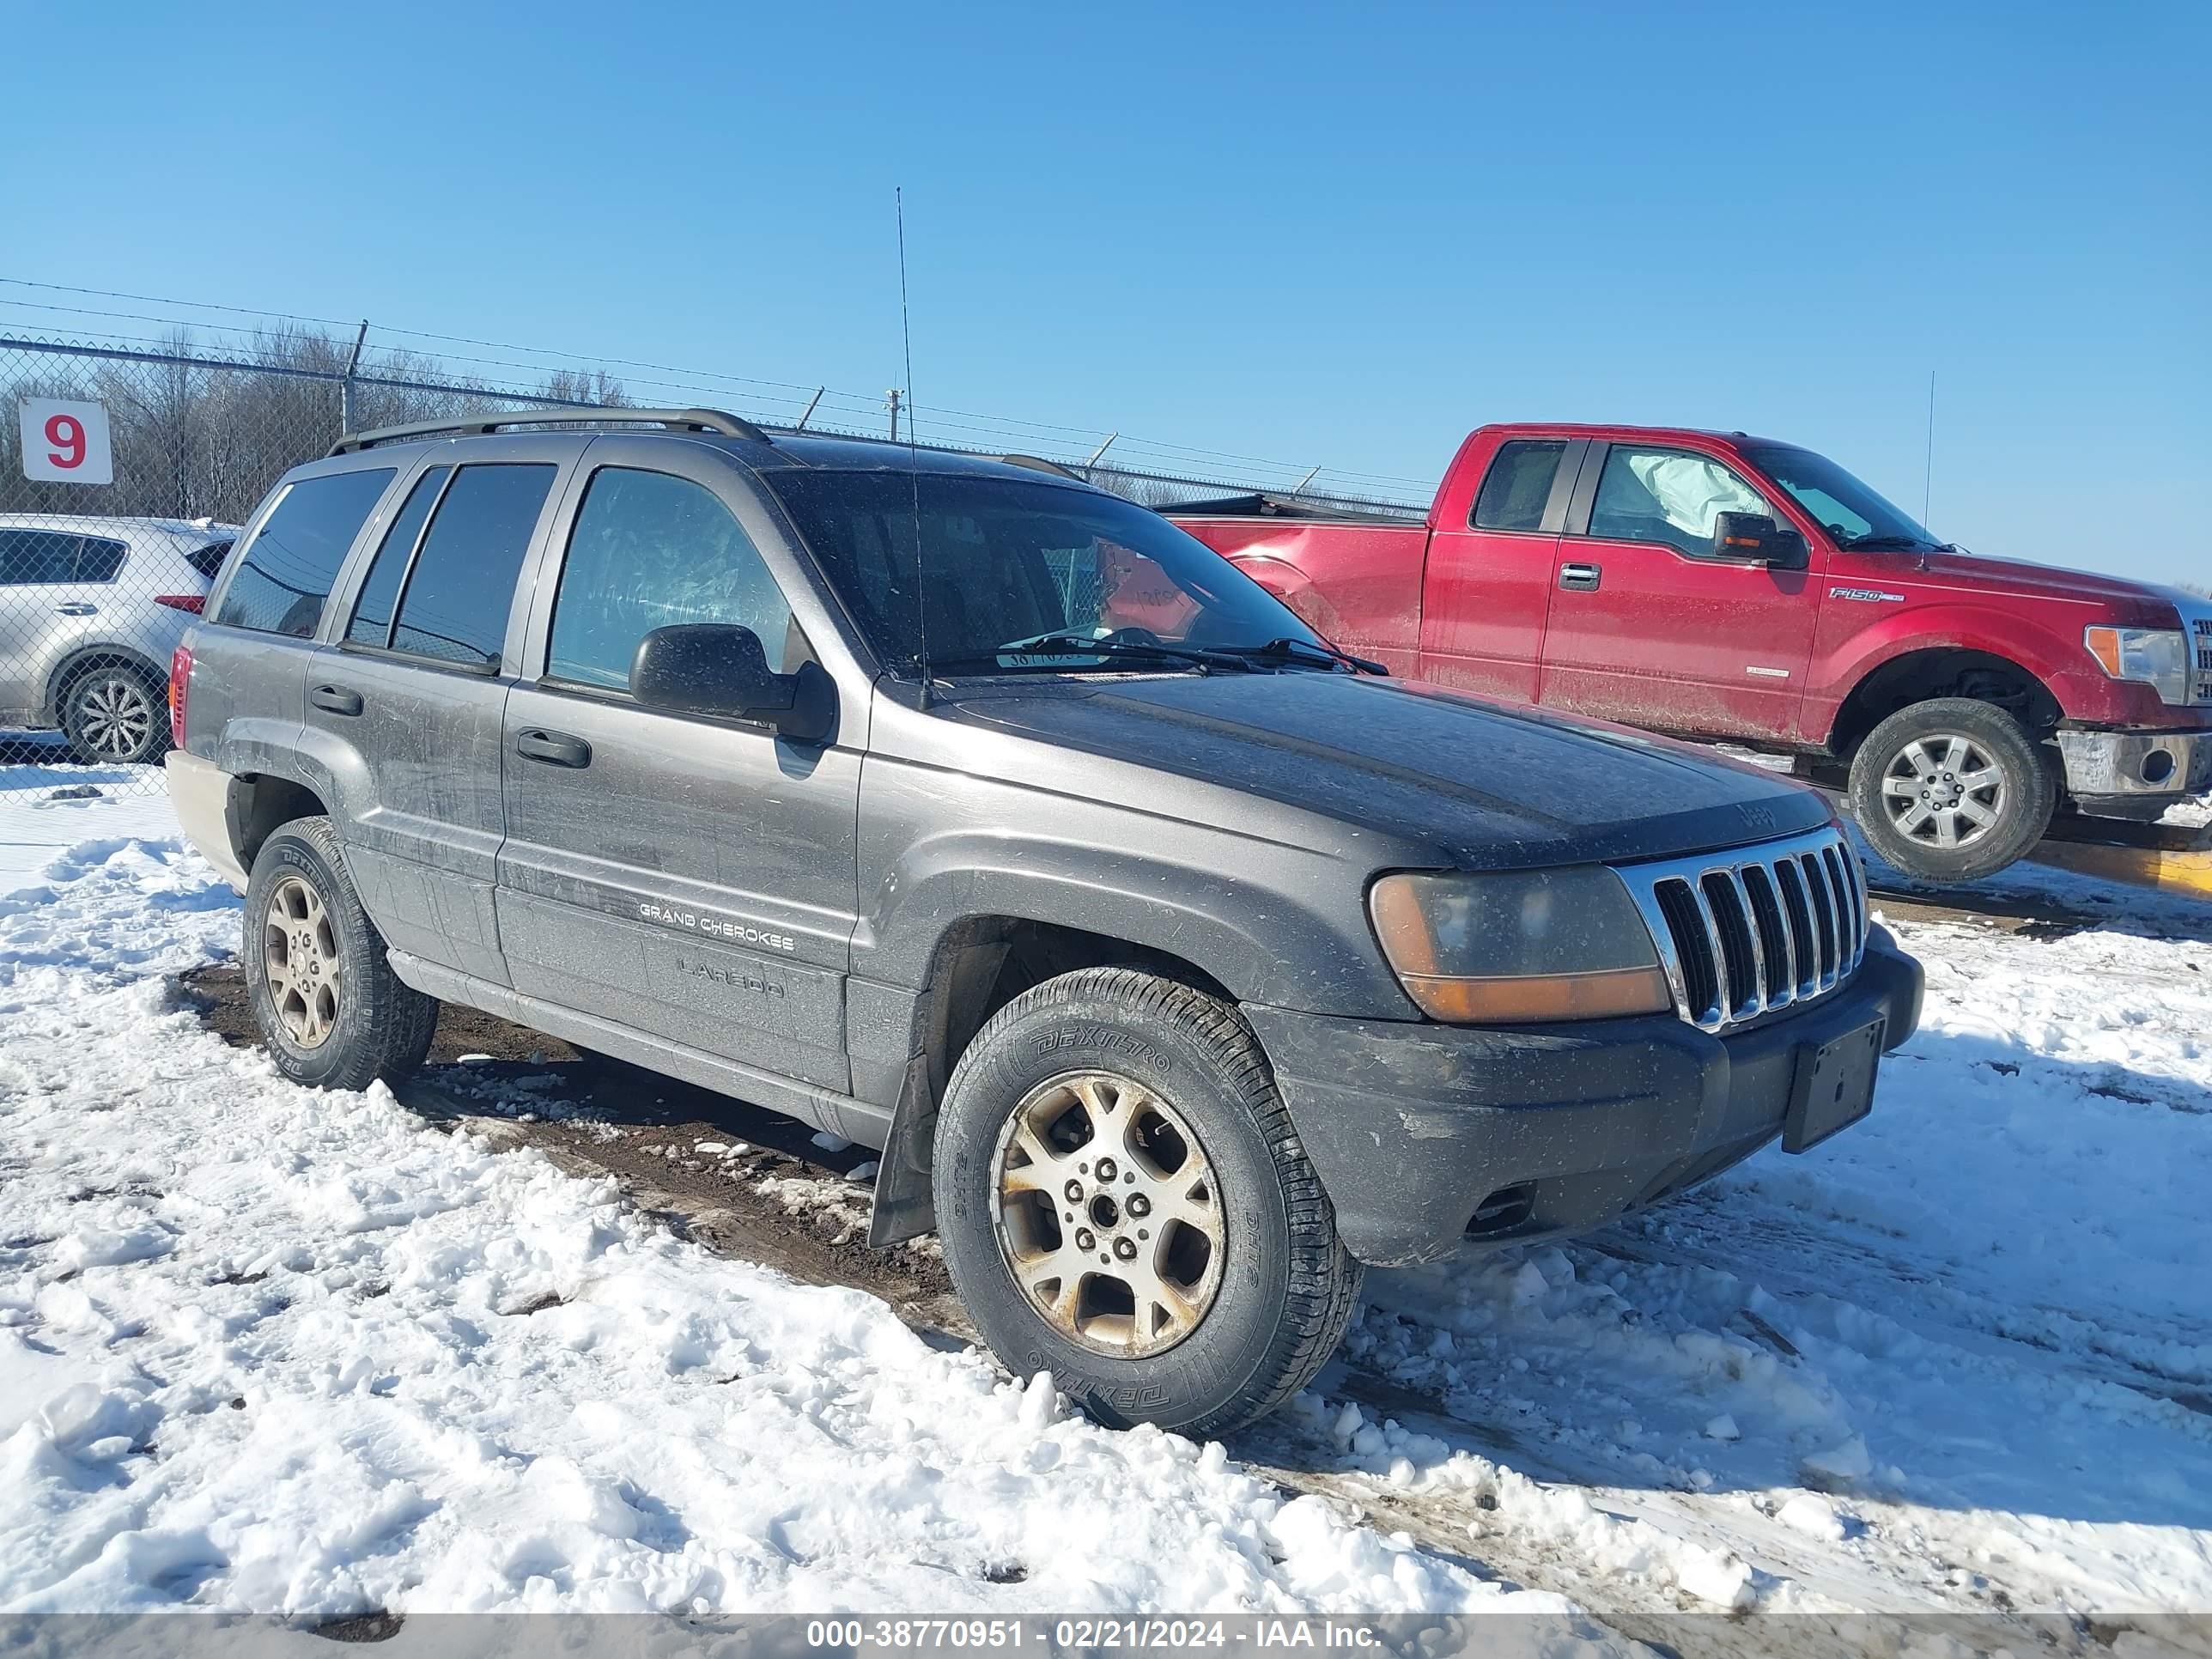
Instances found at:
x=1716 y=586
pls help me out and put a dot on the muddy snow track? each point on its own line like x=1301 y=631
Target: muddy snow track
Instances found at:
x=1468 y=1471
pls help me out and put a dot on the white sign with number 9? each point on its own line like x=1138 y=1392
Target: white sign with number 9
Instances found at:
x=66 y=442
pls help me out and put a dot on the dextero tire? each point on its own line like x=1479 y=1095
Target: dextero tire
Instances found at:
x=329 y=1006
x=1123 y=1203
x=1952 y=789
x=116 y=714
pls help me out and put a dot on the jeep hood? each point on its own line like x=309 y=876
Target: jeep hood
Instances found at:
x=1486 y=785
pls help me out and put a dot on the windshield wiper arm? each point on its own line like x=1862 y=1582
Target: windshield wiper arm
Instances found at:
x=1288 y=648
x=1076 y=645
x=1907 y=542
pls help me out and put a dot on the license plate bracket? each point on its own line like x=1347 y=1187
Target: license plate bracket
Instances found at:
x=1833 y=1087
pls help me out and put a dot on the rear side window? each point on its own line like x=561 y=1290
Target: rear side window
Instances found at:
x=372 y=611
x=649 y=550
x=208 y=560
x=99 y=560
x=453 y=606
x=28 y=557
x=290 y=563
x=1518 y=485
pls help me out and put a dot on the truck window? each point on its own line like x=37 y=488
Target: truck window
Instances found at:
x=287 y=570
x=1518 y=485
x=1850 y=510
x=1668 y=496
x=651 y=550
x=453 y=606
x=372 y=611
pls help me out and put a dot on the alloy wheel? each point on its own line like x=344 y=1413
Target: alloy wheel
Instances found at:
x=115 y=715
x=300 y=960
x=1944 y=790
x=1109 y=1214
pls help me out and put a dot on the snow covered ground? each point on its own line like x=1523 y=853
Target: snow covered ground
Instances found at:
x=265 y=1348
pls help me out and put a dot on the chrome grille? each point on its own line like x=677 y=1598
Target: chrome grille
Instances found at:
x=2201 y=638
x=1743 y=932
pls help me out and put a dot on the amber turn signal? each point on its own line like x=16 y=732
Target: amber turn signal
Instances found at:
x=1613 y=994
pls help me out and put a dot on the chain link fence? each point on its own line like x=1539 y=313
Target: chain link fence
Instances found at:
x=125 y=472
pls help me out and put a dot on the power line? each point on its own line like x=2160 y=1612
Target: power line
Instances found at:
x=859 y=408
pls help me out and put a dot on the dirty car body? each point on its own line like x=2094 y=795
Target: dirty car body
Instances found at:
x=1092 y=745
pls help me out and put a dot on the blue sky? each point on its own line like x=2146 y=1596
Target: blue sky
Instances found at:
x=1313 y=234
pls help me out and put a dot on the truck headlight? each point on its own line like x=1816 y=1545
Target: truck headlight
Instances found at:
x=2158 y=657
x=1518 y=945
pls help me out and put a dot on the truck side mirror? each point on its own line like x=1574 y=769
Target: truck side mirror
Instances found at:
x=720 y=670
x=1754 y=539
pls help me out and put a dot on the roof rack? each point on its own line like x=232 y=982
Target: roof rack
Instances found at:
x=1038 y=463
x=693 y=420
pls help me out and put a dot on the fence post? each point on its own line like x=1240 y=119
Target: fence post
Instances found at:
x=345 y=385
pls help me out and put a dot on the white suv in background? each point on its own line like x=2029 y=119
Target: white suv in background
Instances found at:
x=90 y=611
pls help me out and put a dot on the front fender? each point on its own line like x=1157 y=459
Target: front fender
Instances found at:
x=1271 y=924
x=2081 y=692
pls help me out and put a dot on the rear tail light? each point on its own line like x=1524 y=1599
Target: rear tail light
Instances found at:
x=192 y=602
x=180 y=686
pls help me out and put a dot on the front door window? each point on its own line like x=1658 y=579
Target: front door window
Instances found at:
x=1671 y=497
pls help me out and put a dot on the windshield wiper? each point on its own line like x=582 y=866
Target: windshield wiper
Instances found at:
x=1907 y=542
x=1077 y=644
x=1287 y=649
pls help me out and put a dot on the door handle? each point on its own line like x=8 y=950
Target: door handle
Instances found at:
x=554 y=748
x=76 y=608
x=339 y=699
x=1580 y=578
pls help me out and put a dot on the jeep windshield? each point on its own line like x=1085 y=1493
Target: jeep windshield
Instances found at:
x=1855 y=515
x=1017 y=576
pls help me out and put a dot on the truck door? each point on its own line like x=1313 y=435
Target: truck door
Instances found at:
x=690 y=878
x=1488 y=582
x=1647 y=627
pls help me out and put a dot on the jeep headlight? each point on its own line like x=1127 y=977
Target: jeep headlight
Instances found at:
x=1518 y=945
x=2157 y=657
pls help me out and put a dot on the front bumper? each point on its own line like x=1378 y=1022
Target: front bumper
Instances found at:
x=1426 y=1135
x=2111 y=764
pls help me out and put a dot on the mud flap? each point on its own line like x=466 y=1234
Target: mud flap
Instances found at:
x=905 y=1204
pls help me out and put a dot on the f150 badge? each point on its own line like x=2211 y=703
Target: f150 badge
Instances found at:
x=1866 y=595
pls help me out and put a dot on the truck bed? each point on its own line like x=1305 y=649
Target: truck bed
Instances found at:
x=1354 y=581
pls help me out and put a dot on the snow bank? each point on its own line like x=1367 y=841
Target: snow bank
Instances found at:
x=272 y=1349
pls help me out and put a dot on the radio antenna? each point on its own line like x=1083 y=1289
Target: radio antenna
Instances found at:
x=912 y=454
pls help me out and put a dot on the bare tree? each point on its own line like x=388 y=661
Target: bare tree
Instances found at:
x=578 y=385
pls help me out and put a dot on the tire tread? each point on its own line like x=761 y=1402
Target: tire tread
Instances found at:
x=1320 y=1301
x=400 y=1020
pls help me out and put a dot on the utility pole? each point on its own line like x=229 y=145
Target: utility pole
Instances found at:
x=895 y=395
x=346 y=386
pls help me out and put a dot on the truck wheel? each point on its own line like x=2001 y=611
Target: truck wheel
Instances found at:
x=1124 y=1204
x=1952 y=789
x=329 y=1008
x=115 y=713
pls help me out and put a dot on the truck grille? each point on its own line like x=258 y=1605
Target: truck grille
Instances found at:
x=1743 y=932
x=2202 y=639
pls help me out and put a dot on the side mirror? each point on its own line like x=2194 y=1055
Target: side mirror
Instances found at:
x=1754 y=539
x=718 y=669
